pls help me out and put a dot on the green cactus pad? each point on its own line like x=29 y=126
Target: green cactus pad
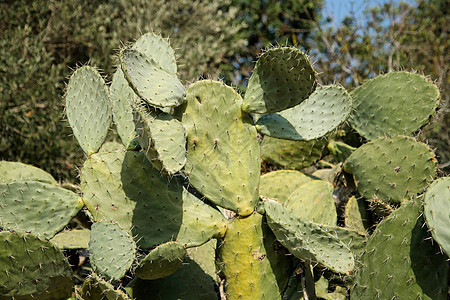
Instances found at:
x=37 y=207
x=356 y=214
x=283 y=77
x=31 y=268
x=162 y=261
x=125 y=188
x=248 y=262
x=11 y=171
x=392 y=169
x=280 y=184
x=95 y=288
x=205 y=257
x=395 y=103
x=313 y=202
x=308 y=241
x=318 y=115
x=163 y=139
x=188 y=282
x=159 y=50
x=437 y=212
x=150 y=81
x=122 y=98
x=88 y=108
x=292 y=154
x=72 y=239
x=400 y=260
x=222 y=148
x=112 y=250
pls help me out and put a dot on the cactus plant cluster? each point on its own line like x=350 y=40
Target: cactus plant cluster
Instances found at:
x=180 y=209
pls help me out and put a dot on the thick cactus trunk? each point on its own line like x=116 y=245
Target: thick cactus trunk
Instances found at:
x=250 y=260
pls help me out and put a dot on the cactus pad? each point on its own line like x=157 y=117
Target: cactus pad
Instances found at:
x=280 y=184
x=308 y=241
x=222 y=148
x=37 y=207
x=283 y=77
x=205 y=257
x=437 y=212
x=11 y=171
x=162 y=261
x=395 y=103
x=392 y=169
x=112 y=250
x=31 y=268
x=159 y=50
x=292 y=154
x=150 y=81
x=400 y=261
x=188 y=282
x=318 y=115
x=125 y=188
x=246 y=260
x=313 y=202
x=122 y=99
x=163 y=139
x=72 y=239
x=88 y=108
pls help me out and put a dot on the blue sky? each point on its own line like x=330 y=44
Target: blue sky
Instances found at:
x=338 y=9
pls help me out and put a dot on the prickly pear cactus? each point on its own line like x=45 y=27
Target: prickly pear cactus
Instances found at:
x=180 y=210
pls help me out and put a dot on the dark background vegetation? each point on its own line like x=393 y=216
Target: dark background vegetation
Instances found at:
x=42 y=41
